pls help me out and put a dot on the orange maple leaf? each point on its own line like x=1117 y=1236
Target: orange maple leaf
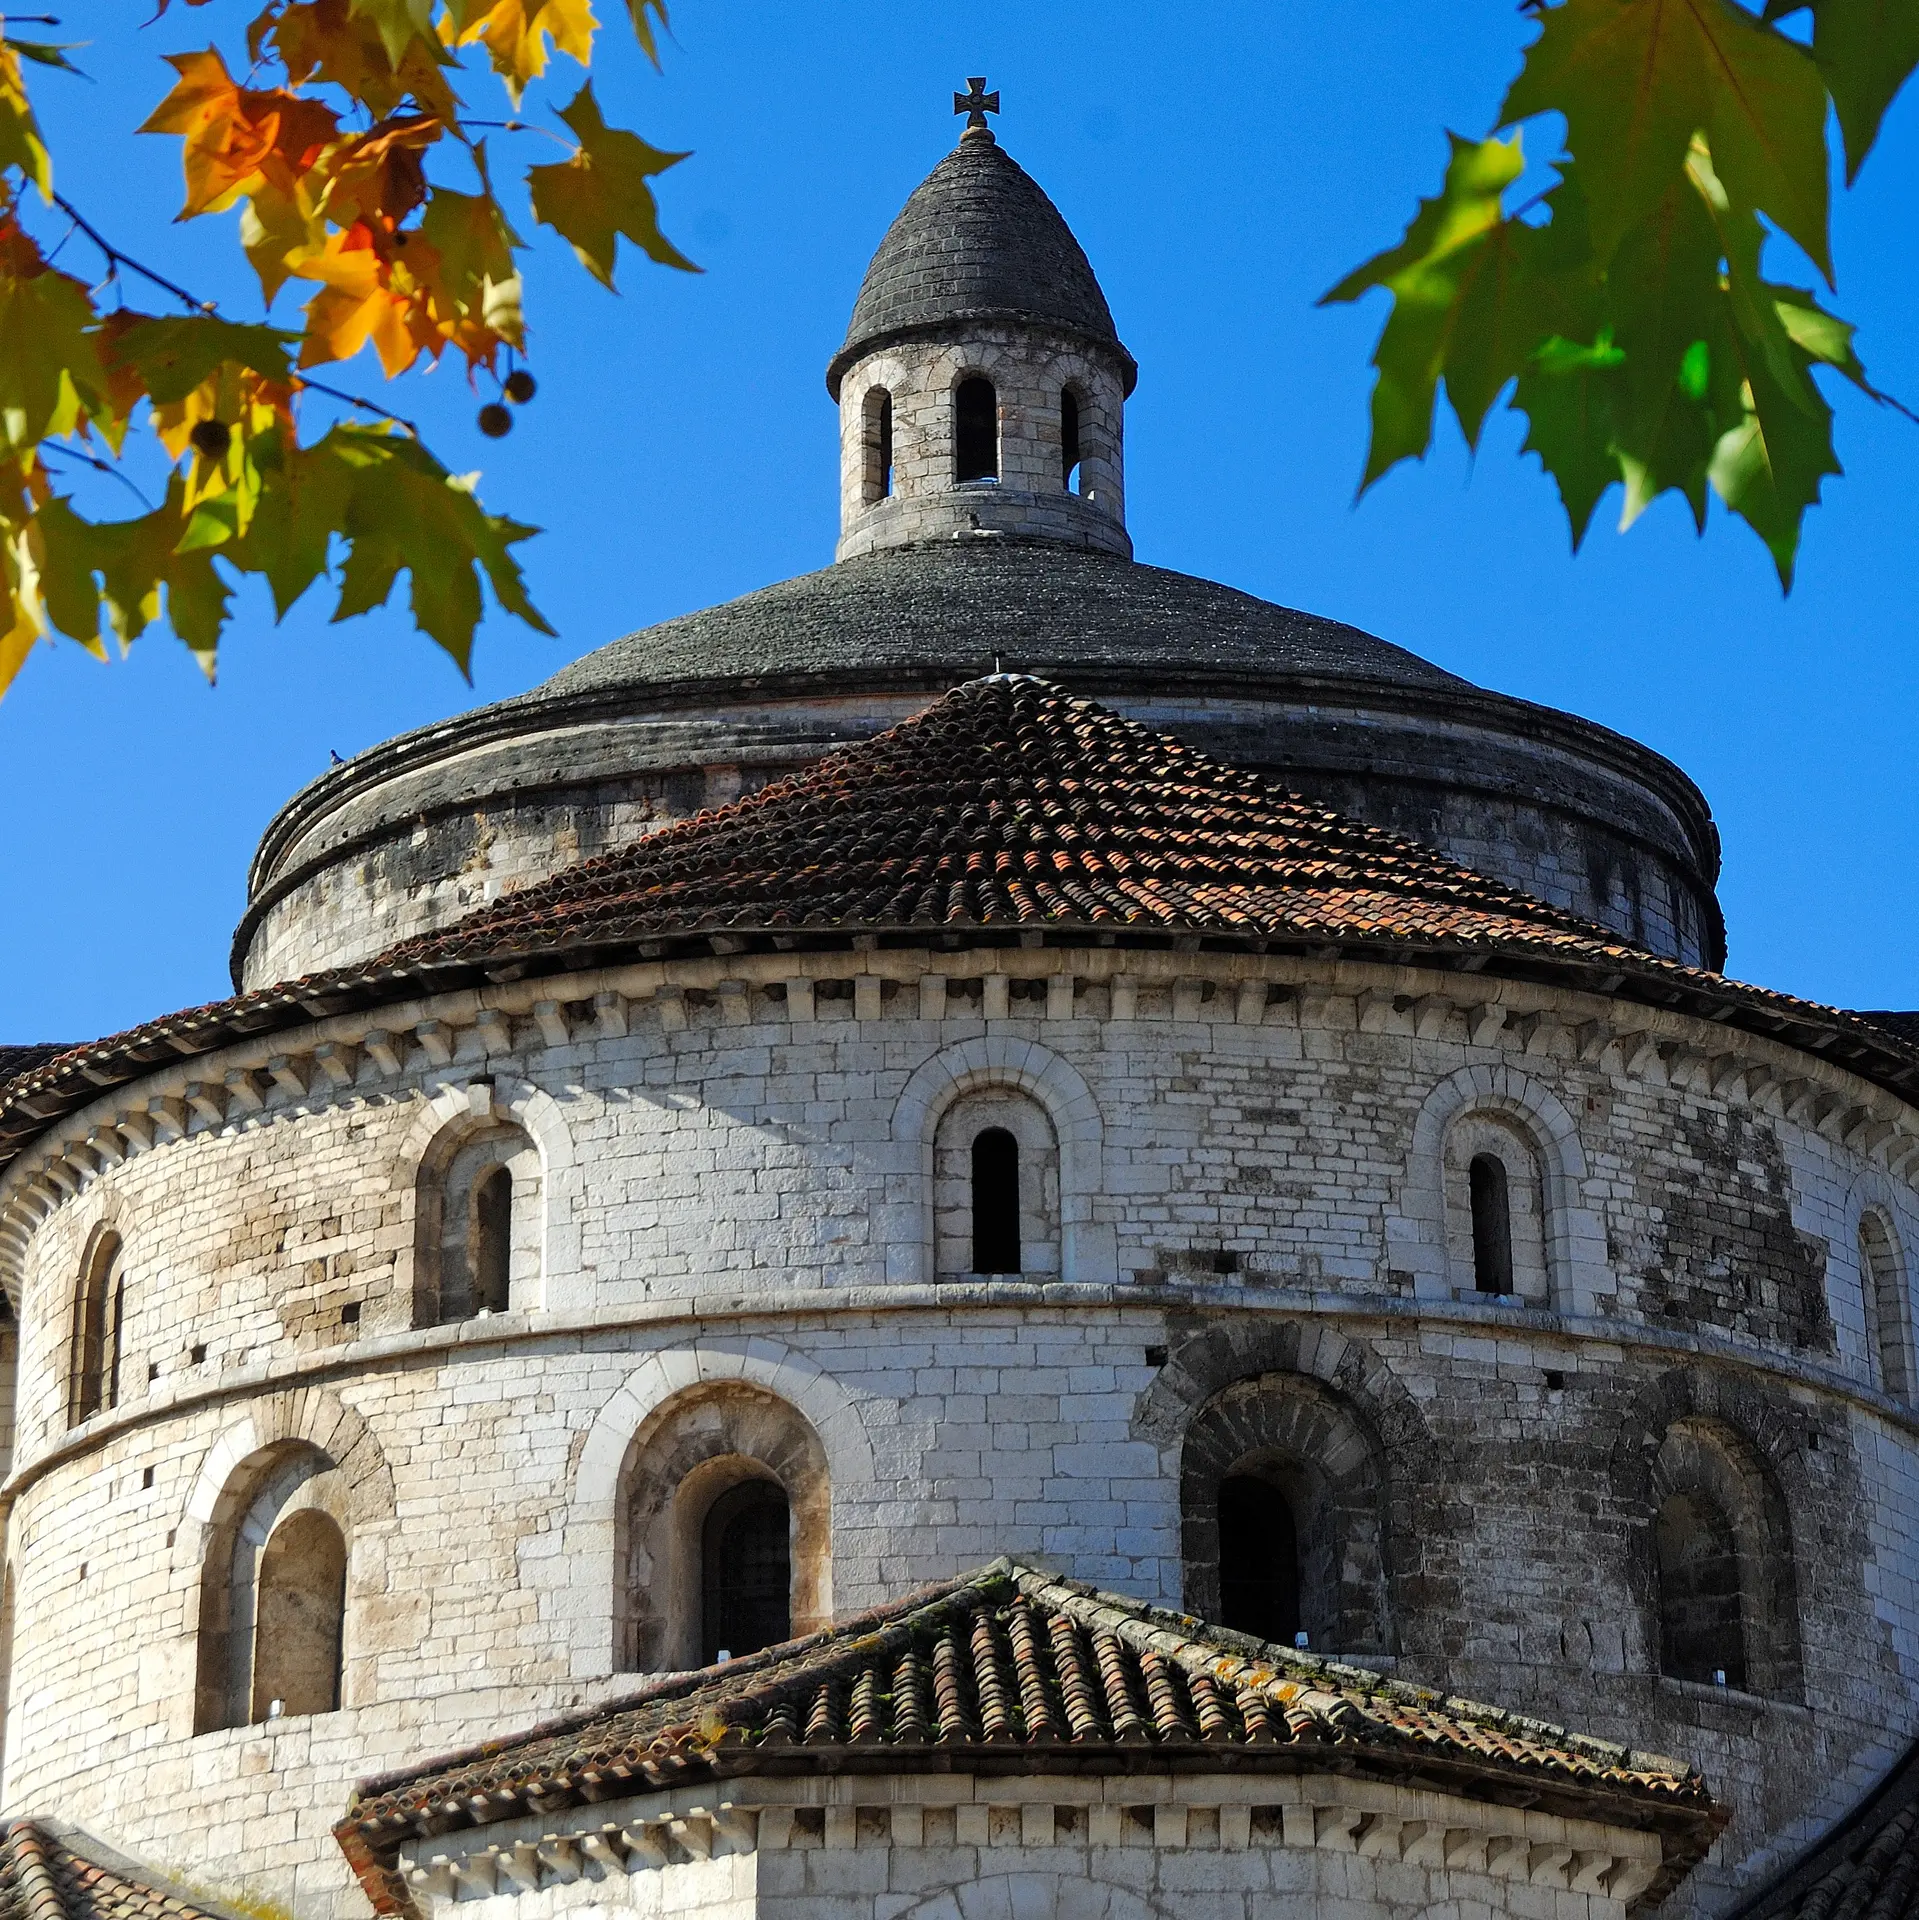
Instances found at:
x=237 y=140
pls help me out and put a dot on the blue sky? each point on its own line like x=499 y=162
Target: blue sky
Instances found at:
x=1222 y=164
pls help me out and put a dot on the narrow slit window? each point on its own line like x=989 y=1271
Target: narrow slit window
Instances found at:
x=747 y=1571
x=975 y=430
x=1258 y=1560
x=492 y=1240
x=1068 y=437
x=95 y=1352
x=1885 y=1314
x=1492 y=1224
x=878 y=438
x=996 y=1247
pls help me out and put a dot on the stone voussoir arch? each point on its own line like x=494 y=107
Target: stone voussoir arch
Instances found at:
x=998 y=1060
x=1574 y=1240
x=592 y=1531
x=444 y=1118
x=309 y=1416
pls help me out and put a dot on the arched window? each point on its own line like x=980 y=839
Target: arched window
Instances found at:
x=1886 y=1320
x=1068 y=437
x=995 y=1202
x=1495 y=1188
x=1283 y=1516
x=722 y=1529
x=273 y=1589
x=975 y=430
x=876 y=423
x=477 y=1224
x=1258 y=1559
x=1701 y=1611
x=298 y=1618
x=746 y=1571
x=491 y=1239
x=93 y=1370
x=1492 y=1224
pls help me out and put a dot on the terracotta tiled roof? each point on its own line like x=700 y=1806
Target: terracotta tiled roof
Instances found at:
x=1011 y=804
x=1006 y=811
x=1011 y=1669
x=51 y=1871
x=18 y=1060
x=1867 y=1868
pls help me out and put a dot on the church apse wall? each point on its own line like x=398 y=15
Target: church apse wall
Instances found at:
x=726 y=1177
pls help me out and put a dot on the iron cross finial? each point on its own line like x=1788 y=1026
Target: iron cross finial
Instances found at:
x=976 y=103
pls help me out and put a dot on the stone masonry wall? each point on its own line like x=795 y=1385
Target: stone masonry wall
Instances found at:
x=1028 y=369
x=736 y=1184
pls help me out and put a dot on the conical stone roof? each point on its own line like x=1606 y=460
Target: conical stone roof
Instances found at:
x=977 y=241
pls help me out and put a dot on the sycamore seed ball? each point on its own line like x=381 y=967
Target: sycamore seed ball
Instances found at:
x=521 y=386
x=495 y=420
x=211 y=438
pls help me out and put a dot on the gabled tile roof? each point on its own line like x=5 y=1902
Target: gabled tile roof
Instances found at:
x=52 y=1871
x=1012 y=1669
x=1006 y=811
x=1867 y=1868
x=23 y=1059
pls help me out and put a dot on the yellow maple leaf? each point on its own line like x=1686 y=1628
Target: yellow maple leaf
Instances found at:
x=515 y=34
x=366 y=296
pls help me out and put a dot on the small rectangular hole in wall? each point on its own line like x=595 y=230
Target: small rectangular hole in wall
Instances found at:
x=83 y=1569
x=146 y=1476
x=198 y=1354
x=1224 y=1262
x=350 y=1314
x=1155 y=1356
x=153 y=1371
x=1555 y=1380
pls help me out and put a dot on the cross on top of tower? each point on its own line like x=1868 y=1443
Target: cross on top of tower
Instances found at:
x=976 y=103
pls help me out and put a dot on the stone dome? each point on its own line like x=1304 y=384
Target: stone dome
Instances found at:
x=978 y=242
x=694 y=712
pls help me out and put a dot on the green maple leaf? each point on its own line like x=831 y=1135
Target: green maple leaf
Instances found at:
x=1637 y=79
x=136 y=560
x=1567 y=396
x=399 y=23
x=1459 y=256
x=50 y=372
x=602 y=192
x=1867 y=50
x=173 y=355
x=406 y=512
x=304 y=496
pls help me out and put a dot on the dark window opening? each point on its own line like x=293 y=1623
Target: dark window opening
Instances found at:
x=975 y=430
x=93 y=1376
x=1068 y=437
x=747 y=1573
x=876 y=480
x=492 y=1240
x=1492 y=1225
x=1701 y=1627
x=1258 y=1560
x=995 y=1202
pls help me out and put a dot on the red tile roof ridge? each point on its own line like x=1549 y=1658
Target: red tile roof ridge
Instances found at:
x=39 y=1854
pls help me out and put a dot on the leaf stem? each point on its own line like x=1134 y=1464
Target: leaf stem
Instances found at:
x=354 y=400
x=116 y=259
x=521 y=126
x=102 y=466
